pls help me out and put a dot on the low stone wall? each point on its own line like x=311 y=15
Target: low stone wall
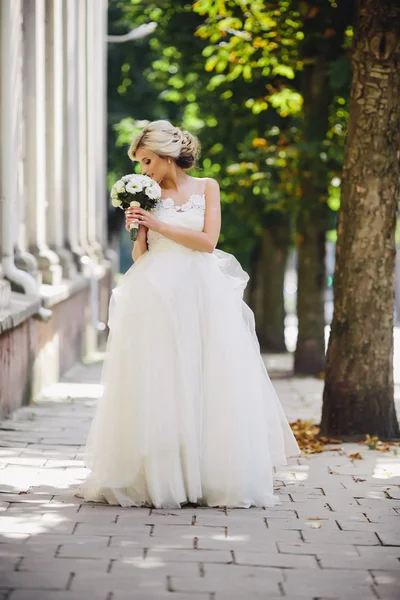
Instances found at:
x=35 y=353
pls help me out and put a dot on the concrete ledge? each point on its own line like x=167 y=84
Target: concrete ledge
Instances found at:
x=54 y=294
x=22 y=307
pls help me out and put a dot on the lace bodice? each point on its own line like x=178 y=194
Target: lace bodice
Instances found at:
x=195 y=204
x=190 y=214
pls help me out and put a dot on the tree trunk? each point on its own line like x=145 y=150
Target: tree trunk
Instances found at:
x=309 y=356
x=324 y=28
x=358 y=394
x=267 y=293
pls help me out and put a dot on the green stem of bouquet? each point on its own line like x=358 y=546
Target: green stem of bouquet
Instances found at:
x=133 y=233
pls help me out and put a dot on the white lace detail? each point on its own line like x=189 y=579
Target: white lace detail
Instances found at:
x=196 y=203
x=190 y=214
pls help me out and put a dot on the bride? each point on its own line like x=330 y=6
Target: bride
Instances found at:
x=188 y=412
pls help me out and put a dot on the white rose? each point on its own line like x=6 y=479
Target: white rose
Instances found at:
x=119 y=186
x=140 y=179
x=152 y=193
x=134 y=186
x=155 y=189
x=115 y=202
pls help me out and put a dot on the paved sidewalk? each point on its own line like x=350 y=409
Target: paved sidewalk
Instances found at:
x=336 y=534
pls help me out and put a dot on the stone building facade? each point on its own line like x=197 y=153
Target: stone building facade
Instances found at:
x=56 y=269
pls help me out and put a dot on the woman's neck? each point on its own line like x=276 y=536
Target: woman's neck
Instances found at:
x=174 y=180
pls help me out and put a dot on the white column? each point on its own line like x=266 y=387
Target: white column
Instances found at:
x=71 y=57
x=57 y=181
x=10 y=56
x=94 y=125
x=13 y=200
x=82 y=129
x=12 y=143
x=35 y=159
x=101 y=118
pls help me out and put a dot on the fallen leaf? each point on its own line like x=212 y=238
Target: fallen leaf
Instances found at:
x=356 y=456
x=306 y=433
x=374 y=443
x=371 y=441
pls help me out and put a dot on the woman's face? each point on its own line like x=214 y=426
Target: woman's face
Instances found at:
x=152 y=165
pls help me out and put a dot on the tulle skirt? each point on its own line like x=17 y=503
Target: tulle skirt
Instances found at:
x=188 y=412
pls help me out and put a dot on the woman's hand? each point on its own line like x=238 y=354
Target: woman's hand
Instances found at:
x=143 y=217
x=129 y=220
x=142 y=234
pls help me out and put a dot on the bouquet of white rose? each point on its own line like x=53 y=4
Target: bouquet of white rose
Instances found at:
x=135 y=190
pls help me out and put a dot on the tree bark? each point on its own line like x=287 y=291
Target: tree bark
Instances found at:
x=324 y=28
x=358 y=394
x=309 y=356
x=267 y=293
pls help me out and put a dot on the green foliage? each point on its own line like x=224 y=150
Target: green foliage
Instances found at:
x=282 y=42
x=231 y=72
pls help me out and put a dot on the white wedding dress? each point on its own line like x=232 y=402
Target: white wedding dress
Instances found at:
x=188 y=412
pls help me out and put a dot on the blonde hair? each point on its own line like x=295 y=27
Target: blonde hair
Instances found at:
x=167 y=141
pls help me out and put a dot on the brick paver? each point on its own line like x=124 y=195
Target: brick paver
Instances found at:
x=335 y=535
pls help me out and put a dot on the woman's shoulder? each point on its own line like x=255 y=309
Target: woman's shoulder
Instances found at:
x=211 y=189
x=211 y=192
x=208 y=183
x=212 y=184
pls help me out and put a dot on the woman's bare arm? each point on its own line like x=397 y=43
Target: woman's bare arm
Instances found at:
x=140 y=246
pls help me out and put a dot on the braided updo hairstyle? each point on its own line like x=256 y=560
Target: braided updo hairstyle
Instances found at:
x=167 y=141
